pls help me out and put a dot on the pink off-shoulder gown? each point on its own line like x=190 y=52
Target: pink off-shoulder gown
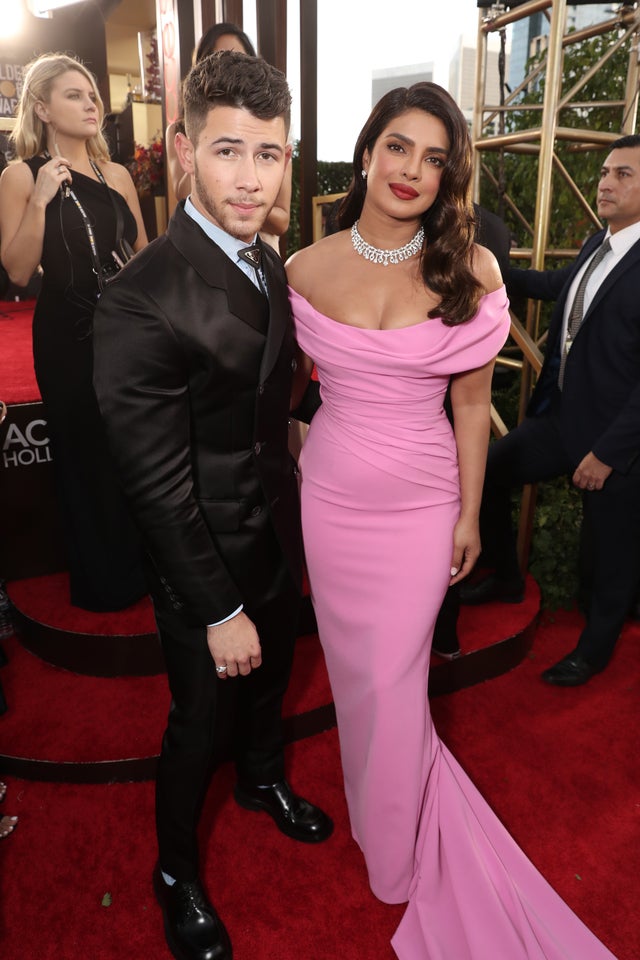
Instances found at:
x=380 y=497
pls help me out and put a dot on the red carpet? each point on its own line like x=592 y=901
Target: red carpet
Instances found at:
x=281 y=900
x=46 y=599
x=17 y=378
x=61 y=716
x=559 y=767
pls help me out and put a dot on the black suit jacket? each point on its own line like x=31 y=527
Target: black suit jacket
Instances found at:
x=600 y=406
x=492 y=232
x=192 y=370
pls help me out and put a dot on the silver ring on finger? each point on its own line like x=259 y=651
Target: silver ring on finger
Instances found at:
x=222 y=669
x=590 y=486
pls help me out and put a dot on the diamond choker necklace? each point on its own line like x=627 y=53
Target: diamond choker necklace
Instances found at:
x=385 y=257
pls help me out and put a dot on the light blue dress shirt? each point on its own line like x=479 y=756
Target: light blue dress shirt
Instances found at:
x=230 y=245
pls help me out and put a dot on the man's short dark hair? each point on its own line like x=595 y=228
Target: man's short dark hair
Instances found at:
x=231 y=79
x=631 y=140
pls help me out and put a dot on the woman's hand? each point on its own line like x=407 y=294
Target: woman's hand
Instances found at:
x=51 y=176
x=466 y=549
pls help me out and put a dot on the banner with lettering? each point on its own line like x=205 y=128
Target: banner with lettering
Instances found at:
x=11 y=74
x=31 y=540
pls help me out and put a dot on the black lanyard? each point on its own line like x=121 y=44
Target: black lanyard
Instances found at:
x=67 y=190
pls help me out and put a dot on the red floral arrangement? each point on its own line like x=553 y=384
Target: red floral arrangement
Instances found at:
x=147 y=168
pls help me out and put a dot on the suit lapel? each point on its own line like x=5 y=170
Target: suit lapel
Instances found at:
x=630 y=260
x=216 y=269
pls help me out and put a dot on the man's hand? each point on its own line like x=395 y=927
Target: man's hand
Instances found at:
x=235 y=645
x=591 y=473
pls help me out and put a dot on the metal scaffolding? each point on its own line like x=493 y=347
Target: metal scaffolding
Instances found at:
x=540 y=143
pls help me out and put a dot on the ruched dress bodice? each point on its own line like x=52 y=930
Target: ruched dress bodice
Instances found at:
x=383 y=390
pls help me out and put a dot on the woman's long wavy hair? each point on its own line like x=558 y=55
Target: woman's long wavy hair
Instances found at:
x=30 y=133
x=449 y=223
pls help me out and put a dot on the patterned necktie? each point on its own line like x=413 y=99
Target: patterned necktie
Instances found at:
x=577 y=307
x=253 y=256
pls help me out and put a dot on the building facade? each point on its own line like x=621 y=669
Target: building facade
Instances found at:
x=529 y=35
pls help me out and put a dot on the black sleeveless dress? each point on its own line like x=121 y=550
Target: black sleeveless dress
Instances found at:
x=103 y=548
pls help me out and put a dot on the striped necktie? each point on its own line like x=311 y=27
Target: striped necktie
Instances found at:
x=577 y=307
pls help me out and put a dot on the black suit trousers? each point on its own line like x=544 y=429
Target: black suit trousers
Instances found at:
x=532 y=452
x=211 y=719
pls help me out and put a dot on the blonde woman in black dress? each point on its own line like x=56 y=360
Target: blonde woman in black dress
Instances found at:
x=67 y=208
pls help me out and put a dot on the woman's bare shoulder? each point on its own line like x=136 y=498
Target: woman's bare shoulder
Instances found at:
x=486 y=269
x=16 y=184
x=17 y=173
x=116 y=172
x=117 y=176
x=310 y=264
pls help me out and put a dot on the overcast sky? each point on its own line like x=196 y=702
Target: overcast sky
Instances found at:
x=356 y=37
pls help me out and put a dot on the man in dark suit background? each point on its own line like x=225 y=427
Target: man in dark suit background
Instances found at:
x=583 y=420
x=492 y=232
x=193 y=364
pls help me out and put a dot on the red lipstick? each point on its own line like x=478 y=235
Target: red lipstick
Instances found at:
x=403 y=191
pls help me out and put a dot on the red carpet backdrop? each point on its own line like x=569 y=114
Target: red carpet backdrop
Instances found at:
x=558 y=766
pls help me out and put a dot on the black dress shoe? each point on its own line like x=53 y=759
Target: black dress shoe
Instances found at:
x=445 y=641
x=571 y=671
x=192 y=928
x=294 y=816
x=447 y=650
x=490 y=589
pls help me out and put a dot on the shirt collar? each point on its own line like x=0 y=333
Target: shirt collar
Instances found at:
x=624 y=239
x=230 y=245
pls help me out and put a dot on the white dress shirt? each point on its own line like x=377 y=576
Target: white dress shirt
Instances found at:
x=621 y=242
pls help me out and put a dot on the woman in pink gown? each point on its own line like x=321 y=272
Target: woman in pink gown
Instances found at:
x=390 y=499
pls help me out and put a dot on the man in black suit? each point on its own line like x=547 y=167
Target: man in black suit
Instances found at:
x=583 y=420
x=193 y=365
x=492 y=232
